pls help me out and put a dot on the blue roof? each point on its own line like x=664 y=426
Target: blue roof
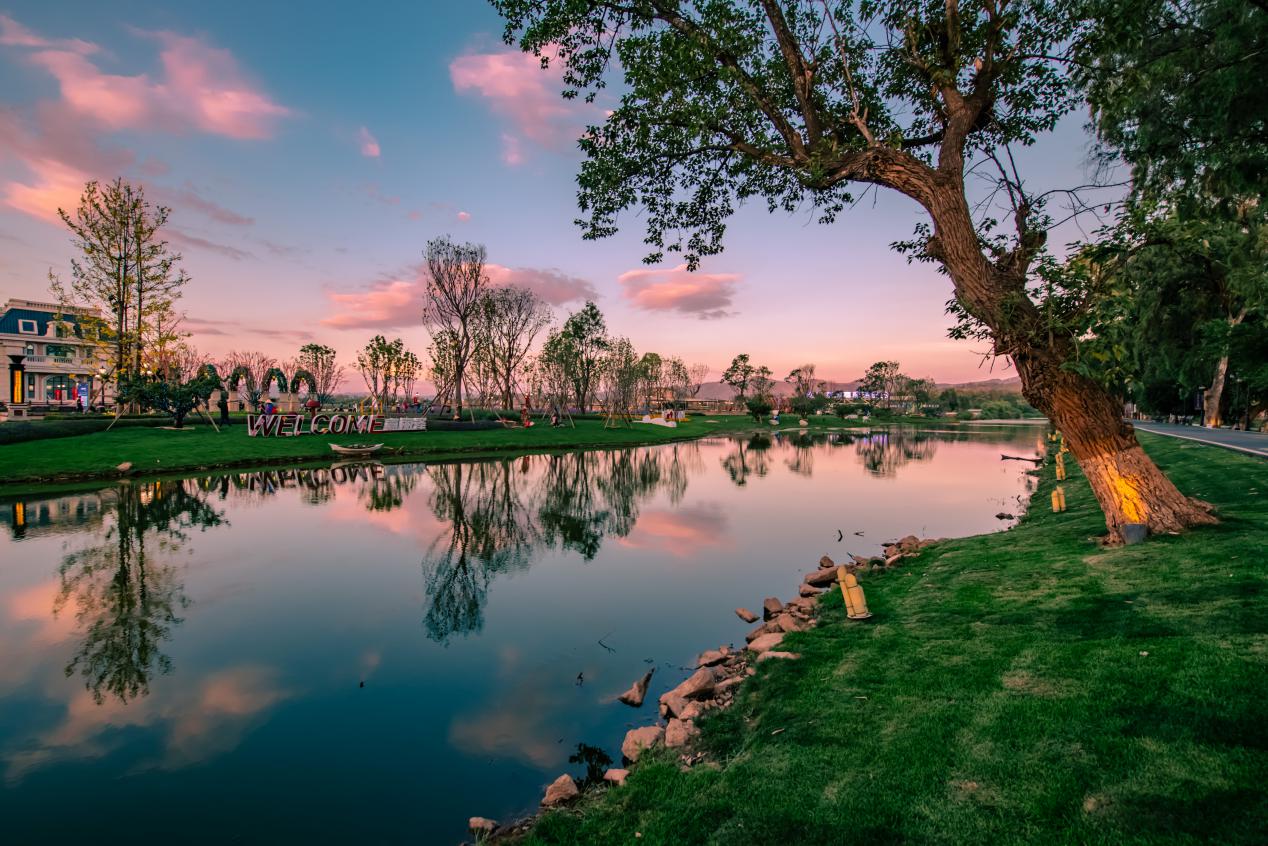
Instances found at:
x=9 y=320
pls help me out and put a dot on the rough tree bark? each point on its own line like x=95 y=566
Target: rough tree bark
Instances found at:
x=1215 y=394
x=1128 y=485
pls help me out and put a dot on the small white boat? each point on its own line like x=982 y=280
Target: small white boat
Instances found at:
x=356 y=449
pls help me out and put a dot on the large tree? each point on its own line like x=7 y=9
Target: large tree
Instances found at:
x=800 y=103
x=1176 y=92
x=456 y=286
x=126 y=272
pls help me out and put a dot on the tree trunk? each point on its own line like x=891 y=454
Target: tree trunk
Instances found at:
x=457 y=393
x=1128 y=485
x=1214 y=394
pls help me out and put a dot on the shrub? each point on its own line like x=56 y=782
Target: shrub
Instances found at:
x=759 y=407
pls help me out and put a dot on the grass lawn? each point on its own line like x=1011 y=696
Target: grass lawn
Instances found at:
x=1023 y=687
x=45 y=463
x=153 y=450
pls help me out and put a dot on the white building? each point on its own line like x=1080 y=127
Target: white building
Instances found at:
x=44 y=359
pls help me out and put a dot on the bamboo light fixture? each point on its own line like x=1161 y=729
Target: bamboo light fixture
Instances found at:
x=852 y=593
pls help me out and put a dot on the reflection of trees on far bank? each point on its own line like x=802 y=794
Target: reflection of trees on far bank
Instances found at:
x=882 y=453
x=126 y=591
x=750 y=457
x=499 y=514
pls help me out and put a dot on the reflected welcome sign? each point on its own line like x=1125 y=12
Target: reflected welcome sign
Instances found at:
x=275 y=425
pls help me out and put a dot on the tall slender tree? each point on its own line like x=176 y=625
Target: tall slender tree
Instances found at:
x=126 y=272
x=456 y=285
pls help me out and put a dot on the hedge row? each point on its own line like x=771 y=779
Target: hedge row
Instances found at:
x=21 y=431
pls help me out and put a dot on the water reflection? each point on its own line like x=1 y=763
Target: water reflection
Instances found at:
x=499 y=514
x=470 y=598
x=126 y=592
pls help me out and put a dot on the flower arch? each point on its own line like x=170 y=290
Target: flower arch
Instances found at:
x=270 y=375
x=240 y=374
x=304 y=377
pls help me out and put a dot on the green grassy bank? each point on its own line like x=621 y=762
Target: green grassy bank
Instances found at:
x=152 y=450
x=1024 y=687
x=40 y=464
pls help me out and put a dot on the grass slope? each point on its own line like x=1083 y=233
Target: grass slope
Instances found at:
x=1024 y=687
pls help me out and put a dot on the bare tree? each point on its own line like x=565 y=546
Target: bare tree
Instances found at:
x=698 y=373
x=508 y=321
x=456 y=283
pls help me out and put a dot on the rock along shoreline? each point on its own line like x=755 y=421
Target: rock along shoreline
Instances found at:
x=714 y=683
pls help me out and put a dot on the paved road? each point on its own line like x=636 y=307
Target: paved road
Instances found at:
x=1254 y=443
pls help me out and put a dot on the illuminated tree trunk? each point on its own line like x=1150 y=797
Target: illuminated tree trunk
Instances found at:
x=1211 y=402
x=1128 y=485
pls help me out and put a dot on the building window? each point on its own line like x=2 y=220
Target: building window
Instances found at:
x=30 y=387
x=30 y=348
x=57 y=389
x=59 y=350
x=28 y=327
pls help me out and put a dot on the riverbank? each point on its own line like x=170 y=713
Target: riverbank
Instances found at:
x=56 y=463
x=1021 y=687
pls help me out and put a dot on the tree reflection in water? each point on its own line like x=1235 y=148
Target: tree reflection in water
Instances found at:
x=127 y=594
x=499 y=514
x=883 y=453
x=750 y=458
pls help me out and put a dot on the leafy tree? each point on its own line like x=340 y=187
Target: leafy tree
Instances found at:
x=319 y=360
x=382 y=364
x=577 y=350
x=739 y=375
x=759 y=406
x=1176 y=89
x=170 y=395
x=949 y=399
x=882 y=382
x=799 y=103
x=126 y=272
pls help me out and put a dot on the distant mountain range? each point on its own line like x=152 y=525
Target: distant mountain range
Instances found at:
x=722 y=391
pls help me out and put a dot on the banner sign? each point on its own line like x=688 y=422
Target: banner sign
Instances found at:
x=285 y=425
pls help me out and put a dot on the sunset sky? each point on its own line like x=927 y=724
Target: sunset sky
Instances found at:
x=308 y=157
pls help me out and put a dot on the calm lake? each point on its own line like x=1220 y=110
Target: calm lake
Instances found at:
x=374 y=653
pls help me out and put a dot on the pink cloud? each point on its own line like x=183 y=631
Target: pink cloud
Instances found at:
x=682 y=532
x=396 y=301
x=55 y=185
x=200 y=87
x=464 y=216
x=197 y=88
x=385 y=304
x=520 y=92
x=553 y=286
x=13 y=34
x=704 y=295
x=369 y=144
